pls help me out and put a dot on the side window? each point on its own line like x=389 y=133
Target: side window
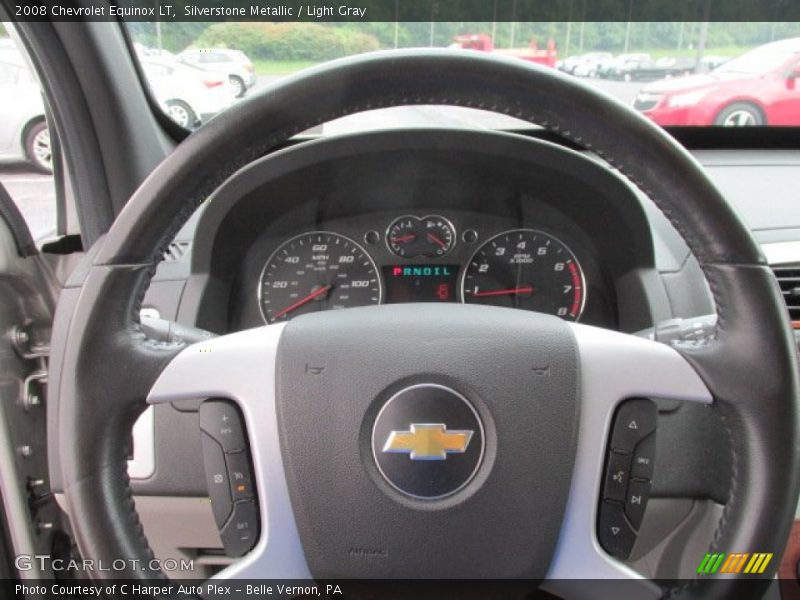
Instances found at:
x=9 y=74
x=25 y=155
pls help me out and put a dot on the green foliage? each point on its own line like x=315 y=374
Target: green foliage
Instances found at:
x=3 y=32
x=288 y=41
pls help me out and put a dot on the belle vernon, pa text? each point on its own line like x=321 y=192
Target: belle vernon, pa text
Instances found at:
x=148 y=590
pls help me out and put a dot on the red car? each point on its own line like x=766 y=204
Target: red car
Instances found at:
x=759 y=87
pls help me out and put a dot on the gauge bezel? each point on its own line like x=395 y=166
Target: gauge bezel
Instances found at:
x=447 y=221
x=378 y=275
x=581 y=272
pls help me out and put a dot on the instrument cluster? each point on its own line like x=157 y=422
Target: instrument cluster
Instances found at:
x=423 y=258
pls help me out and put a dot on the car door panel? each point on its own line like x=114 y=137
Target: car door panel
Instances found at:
x=28 y=293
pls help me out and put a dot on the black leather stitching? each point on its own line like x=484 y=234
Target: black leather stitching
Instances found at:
x=257 y=150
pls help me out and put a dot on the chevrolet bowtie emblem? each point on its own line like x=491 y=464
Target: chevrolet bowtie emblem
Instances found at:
x=428 y=441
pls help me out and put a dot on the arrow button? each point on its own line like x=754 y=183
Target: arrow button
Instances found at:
x=614 y=531
x=636 y=419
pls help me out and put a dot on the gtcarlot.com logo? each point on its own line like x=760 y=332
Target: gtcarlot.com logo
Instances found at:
x=735 y=563
x=44 y=562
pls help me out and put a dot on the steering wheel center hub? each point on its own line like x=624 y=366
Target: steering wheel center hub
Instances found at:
x=427 y=441
x=391 y=455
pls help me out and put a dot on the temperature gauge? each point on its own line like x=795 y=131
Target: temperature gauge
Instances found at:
x=411 y=236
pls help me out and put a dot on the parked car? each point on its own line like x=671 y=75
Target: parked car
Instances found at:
x=568 y=64
x=613 y=68
x=757 y=88
x=234 y=63
x=190 y=95
x=23 y=130
x=580 y=63
x=646 y=69
x=589 y=63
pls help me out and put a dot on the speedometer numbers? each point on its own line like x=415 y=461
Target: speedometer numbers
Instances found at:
x=528 y=269
x=317 y=271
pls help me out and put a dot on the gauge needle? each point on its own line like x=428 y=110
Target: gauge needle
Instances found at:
x=403 y=238
x=508 y=292
x=316 y=293
x=435 y=239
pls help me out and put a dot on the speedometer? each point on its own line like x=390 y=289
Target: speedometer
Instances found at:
x=317 y=271
x=528 y=269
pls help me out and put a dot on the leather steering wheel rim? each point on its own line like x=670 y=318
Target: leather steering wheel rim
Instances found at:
x=108 y=364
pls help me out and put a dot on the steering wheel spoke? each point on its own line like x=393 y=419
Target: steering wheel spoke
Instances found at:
x=613 y=367
x=241 y=367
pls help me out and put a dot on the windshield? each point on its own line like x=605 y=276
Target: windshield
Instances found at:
x=683 y=74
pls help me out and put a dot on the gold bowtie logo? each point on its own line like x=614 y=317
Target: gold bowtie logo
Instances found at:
x=428 y=441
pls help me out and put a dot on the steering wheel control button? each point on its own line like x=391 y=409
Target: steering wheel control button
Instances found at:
x=616 y=534
x=217 y=479
x=617 y=475
x=239 y=475
x=636 y=419
x=636 y=501
x=427 y=441
x=629 y=470
x=241 y=532
x=229 y=475
x=644 y=458
x=221 y=420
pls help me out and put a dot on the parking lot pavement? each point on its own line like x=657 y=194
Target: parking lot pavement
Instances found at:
x=35 y=196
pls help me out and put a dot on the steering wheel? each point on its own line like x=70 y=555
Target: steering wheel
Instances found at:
x=313 y=390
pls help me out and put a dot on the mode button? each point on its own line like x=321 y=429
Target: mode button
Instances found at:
x=220 y=420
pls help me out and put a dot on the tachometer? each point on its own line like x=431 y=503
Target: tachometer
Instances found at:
x=528 y=269
x=317 y=271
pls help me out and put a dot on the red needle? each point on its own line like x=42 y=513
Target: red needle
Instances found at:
x=519 y=290
x=301 y=302
x=432 y=237
x=403 y=238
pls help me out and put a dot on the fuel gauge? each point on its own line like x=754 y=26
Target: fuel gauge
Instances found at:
x=409 y=236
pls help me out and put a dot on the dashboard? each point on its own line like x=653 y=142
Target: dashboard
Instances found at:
x=422 y=259
x=379 y=195
x=423 y=215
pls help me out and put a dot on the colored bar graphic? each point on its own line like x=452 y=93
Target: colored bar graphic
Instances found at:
x=735 y=563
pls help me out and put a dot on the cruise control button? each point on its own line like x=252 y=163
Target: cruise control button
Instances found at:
x=617 y=475
x=241 y=532
x=240 y=477
x=217 y=479
x=636 y=419
x=220 y=420
x=613 y=530
x=644 y=458
x=636 y=501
